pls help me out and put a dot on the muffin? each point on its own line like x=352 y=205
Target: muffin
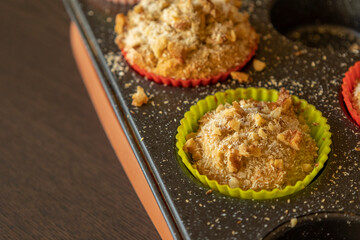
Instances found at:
x=351 y=91
x=254 y=143
x=186 y=39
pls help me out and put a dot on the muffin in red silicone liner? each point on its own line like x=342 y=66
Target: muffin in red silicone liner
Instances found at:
x=351 y=91
x=186 y=42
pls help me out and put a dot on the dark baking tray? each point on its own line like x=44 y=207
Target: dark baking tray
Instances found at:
x=332 y=198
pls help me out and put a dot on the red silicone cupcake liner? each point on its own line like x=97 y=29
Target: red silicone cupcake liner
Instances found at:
x=349 y=83
x=190 y=82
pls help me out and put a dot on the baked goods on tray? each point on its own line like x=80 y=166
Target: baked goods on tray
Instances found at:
x=351 y=91
x=186 y=39
x=254 y=143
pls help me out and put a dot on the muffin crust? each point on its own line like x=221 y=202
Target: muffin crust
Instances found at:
x=186 y=39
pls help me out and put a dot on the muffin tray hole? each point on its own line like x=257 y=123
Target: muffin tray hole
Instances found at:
x=329 y=24
x=319 y=226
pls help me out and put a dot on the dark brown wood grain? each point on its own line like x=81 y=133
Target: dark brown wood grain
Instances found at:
x=59 y=177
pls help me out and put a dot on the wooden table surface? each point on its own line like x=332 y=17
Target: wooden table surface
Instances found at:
x=59 y=177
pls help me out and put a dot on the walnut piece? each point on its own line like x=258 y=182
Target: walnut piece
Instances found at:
x=234 y=182
x=234 y=162
x=291 y=138
x=259 y=120
x=138 y=9
x=306 y=167
x=192 y=147
x=241 y=77
x=139 y=98
x=279 y=164
x=235 y=125
x=120 y=23
x=258 y=65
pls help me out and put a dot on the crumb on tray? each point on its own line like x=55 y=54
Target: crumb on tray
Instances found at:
x=293 y=222
x=258 y=65
x=241 y=77
x=139 y=98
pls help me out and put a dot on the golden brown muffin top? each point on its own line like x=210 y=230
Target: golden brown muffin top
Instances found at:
x=186 y=39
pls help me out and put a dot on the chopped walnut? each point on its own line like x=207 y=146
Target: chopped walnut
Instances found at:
x=219 y=108
x=241 y=77
x=159 y=46
x=254 y=151
x=248 y=151
x=291 y=138
x=219 y=159
x=234 y=162
x=258 y=65
x=238 y=108
x=139 y=98
x=306 y=167
x=231 y=36
x=192 y=147
x=259 y=120
x=235 y=125
x=243 y=150
x=262 y=133
x=120 y=23
x=217 y=131
x=278 y=163
x=182 y=24
x=284 y=100
x=293 y=222
x=234 y=182
x=138 y=9
x=355 y=48
x=177 y=51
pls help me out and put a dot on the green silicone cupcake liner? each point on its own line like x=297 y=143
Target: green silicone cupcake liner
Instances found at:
x=320 y=132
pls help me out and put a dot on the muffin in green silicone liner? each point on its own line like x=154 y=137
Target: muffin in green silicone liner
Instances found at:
x=319 y=132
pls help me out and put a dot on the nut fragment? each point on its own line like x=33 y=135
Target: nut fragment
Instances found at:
x=139 y=98
x=235 y=125
x=192 y=146
x=231 y=36
x=120 y=23
x=291 y=138
x=138 y=9
x=258 y=65
x=241 y=77
x=234 y=162
x=262 y=133
x=306 y=167
x=259 y=120
x=159 y=46
x=234 y=182
x=279 y=164
x=293 y=222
